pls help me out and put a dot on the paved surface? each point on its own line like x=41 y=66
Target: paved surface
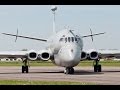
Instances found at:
x=108 y=76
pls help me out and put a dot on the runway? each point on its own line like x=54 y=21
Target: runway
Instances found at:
x=108 y=76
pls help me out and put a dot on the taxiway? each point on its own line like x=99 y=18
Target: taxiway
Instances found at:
x=108 y=76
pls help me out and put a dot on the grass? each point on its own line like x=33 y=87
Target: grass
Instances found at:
x=49 y=63
x=103 y=63
x=32 y=63
x=25 y=82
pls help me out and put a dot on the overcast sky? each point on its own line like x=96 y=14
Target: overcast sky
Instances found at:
x=36 y=21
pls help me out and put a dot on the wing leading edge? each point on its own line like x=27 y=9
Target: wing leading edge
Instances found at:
x=109 y=54
x=25 y=37
x=13 y=54
x=92 y=35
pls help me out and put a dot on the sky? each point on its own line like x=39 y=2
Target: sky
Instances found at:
x=37 y=21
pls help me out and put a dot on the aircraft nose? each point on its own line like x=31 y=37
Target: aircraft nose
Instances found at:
x=69 y=54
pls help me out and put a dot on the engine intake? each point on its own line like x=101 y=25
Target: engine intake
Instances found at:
x=32 y=55
x=93 y=55
x=44 y=55
x=83 y=55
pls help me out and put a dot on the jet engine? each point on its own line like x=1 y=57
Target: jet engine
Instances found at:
x=44 y=55
x=32 y=55
x=93 y=55
x=83 y=55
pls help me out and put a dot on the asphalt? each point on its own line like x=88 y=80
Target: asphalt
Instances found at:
x=108 y=76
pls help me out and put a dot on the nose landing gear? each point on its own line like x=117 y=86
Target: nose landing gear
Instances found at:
x=69 y=70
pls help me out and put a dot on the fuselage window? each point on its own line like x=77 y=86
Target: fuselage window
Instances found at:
x=68 y=39
x=72 y=38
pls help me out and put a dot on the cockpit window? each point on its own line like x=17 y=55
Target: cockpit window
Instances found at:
x=75 y=39
x=65 y=39
x=69 y=39
x=72 y=38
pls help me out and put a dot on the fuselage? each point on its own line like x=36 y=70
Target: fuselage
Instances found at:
x=66 y=45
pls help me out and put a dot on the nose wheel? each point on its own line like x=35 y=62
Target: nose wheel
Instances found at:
x=69 y=70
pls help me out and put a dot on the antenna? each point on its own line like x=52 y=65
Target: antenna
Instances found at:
x=16 y=35
x=54 y=8
x=91 y=34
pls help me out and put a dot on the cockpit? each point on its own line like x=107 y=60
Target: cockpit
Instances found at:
x=69 y=39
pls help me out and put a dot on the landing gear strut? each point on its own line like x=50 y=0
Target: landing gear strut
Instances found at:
x=97 y=66
x=69 y=70
x=25 y=66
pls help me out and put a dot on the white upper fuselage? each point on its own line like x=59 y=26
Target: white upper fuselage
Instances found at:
x=66 y=47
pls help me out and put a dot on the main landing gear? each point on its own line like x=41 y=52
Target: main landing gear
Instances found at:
x=69 y=70
x=25 y=66
x=97 y=66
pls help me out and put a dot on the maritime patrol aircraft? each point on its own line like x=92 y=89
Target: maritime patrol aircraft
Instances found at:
x=65 y=49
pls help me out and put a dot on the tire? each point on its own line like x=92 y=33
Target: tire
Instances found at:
x=99 y=68
x=26 y=69
x=71 y=70
x=67 y=70
x=95 y=68
x=23 y=69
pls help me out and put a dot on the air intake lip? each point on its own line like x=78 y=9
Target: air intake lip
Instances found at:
x=45 y=56
x=32 y=55
x=83 y=55
x=94 y=55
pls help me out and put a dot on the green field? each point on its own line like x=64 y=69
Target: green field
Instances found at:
x=25 y=82
x=103 y=63
x=49 y=63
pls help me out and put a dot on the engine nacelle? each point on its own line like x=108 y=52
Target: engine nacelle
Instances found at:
x=32 y=55
x=44 y=55
x=93 y=55
x=83 y=55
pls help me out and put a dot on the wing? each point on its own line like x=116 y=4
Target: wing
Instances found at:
x=109 y=54
x=30 y=55
x=102 y=54
x=25 y=37
x=13 y=54
x=92 y=35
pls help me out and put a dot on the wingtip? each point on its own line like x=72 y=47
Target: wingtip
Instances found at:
x=1 y=33
x=4 y=33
